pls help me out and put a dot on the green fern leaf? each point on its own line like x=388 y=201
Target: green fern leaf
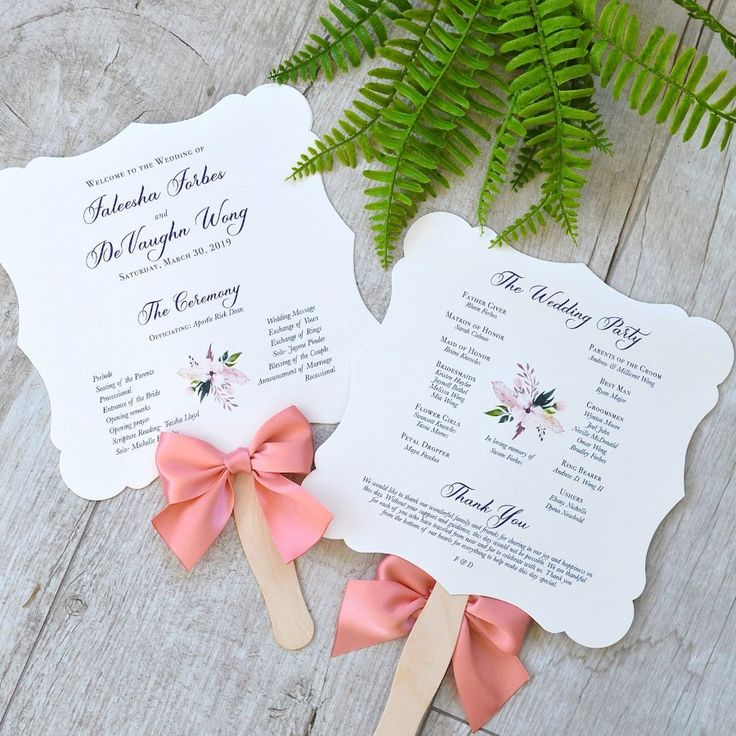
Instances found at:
x=526 y=167
x=694 y=10
x=596 y=127
x=356 y=27
x=530 y=222
x=581 y=97
x=352 y=136
x=508 y=132
x=430 y=128
x=657 y=76
x=549 y=53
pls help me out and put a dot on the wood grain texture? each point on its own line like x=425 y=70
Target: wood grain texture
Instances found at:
x=102 y=632
x=443 y=724
x=278 y=581
x=424 y=660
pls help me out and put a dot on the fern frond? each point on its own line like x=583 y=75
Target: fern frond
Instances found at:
x=355 y=28
x=353 y=133
x=552 y=70
x=596 y=127
x=508 y=132
x=526 y=167
x=530 y=222
x=697 y=12
x=528 y=65
x=428 y=131
x=659 y=77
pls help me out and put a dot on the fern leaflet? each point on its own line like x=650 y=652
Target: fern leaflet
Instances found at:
x=597 y=128
x=526 y=167
x=529 y=222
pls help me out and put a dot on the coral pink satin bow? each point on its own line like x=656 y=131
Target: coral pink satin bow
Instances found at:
x=485 y=663
x=197 y=482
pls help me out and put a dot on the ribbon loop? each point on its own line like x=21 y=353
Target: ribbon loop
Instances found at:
x=197 y=482
x=238 y=461
x=486 y=668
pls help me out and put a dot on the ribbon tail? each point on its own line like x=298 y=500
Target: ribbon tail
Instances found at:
x=297 y=521
x=485 y=675
x=372 y=612
x=190 y=527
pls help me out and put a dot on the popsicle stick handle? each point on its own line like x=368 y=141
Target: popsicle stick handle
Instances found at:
x=423 y=663
x=291 y=622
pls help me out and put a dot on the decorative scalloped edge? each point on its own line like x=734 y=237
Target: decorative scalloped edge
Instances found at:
x=302 y=115
x=359 y=539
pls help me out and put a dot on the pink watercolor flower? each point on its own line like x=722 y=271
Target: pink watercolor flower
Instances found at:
x=526 y=405
x=214 y=377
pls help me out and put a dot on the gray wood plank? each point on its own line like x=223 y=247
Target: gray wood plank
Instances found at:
x=41 y=527
x=443 y=724
x=118 y=639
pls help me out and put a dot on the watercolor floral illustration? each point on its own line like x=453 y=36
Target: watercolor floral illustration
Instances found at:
x=526 y=404
x=215 y=377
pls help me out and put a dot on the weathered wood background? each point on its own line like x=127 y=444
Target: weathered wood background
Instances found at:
x=101 y=632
